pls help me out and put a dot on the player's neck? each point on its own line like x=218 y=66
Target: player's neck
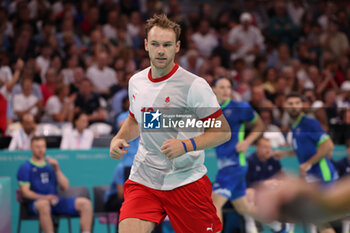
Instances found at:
x=297 y=119
x=38 y=160
x=159 y=73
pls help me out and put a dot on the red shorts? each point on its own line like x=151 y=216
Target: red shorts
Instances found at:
x=189 y=207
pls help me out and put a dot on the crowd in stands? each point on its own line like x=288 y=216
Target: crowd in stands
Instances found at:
x=61 y=58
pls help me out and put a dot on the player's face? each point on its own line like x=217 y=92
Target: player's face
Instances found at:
x=38 y=148
x=223 y=90
x=294 y=106
x=161 y=46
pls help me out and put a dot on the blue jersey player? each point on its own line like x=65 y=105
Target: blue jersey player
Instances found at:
x=311 y=144
x=38 y=179
x=230 y=180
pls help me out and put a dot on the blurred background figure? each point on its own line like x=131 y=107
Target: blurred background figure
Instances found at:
x=21 y=138
x=79 y=137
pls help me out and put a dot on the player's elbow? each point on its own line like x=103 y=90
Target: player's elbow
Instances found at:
x=226 y=136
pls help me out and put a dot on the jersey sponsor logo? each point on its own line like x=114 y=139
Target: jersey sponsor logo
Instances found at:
x=152 y=120
x=172 y=118
x=167 y=99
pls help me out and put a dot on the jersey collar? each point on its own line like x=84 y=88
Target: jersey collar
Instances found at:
x=296 y=123
x=36 y=164
x=224 y=105
x=157 y=80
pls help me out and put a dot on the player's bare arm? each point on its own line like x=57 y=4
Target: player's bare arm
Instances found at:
x=323 y=150
x=128 y=132
x=173 y=148
x=258 y=128
x=62 y=180
x=29 y=194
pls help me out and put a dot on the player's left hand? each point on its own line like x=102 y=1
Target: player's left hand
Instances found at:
x=53 y=163
x=303 y=168
x=172 y=148
x=242 y=146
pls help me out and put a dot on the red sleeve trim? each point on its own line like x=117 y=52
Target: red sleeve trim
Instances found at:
x=214 y=115
x=131 y=114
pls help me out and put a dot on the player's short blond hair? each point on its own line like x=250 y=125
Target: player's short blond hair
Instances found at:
x=164 y=22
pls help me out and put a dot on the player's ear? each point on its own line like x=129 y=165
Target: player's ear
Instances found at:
x=178 y=46
x=146 y=44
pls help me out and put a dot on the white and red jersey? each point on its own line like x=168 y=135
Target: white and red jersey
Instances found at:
x=179 y=89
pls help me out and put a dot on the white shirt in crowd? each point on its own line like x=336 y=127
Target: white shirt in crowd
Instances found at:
x=72 y=140
x=53 y=106
x=5 y=74
x=248 y=38
x=109 y=31
x=102 y=79
x=20 y=140
x=22 y=102
x=44 y=64
x=68 y=76
x=274 y=134
x=205 y=43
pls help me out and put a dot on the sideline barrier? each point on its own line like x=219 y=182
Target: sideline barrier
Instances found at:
x=94 y=168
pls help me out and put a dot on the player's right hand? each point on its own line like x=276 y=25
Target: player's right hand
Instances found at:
x=116 y=150
x=51 y=198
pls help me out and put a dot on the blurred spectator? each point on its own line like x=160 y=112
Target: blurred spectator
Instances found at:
x=47 y=29
x=334 y=41
x=6 y=27
x=191 y=61
x=21 y=138
x=270 y=78
x=102 y=76
x=258 y=99
x=110 y=28
x=330 y=105
x=88 y=102
x=90 y=20
x=272 y=131
x=60 y=107
x=78 y=77
x=296 y=10
x=80 y=137
x=262 y=165
x=48 y=88
x=281 y=27
x=343 y=100
x=43 y=61
x=118 y=98
x=7 y=80
x=26 y=102
x=204 y=39
x=72 y=62
x=245 y=40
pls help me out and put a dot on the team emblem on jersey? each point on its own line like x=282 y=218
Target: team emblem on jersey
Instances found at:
x=151 y=120
x=167 y=102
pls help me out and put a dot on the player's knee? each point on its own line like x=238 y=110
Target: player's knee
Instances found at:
x=43 y=206
x=83 y=204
